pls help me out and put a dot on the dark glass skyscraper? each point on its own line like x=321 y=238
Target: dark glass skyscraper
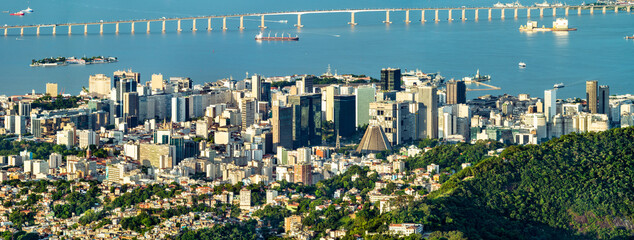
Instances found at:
x=345 y=114
x=456 y=92
x=306 y=119
x=391 y=79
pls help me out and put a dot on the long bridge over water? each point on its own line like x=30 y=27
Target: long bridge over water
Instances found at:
x=473 y=11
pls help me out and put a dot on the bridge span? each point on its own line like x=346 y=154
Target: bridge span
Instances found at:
x=473 y=11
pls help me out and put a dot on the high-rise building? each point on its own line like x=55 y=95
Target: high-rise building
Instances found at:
x=265 y=93
x=150 y=154
x=245 y=199
x=131 y=104
x=303 y=174
x=591 y=96
x=66 y=137
x=603 y=104
x=15 y=124
x=256 y=87
x=364 y=96
x=157 y=82
x=249 y=106
x=181 y=83
x=282 y=127
x=180 y=111
x=456 y=92
x=391 y=79
x=398 y=124
x=331 y=92
x=344 y=108
x=305 y=85
x=55 y=160
x=51 y=89
x=99 y=85
x=117 y=75
x=550 y=104
x=306 y=119
x=87 y=138
x=427 y=95
x=24 y=108
x=270 y=196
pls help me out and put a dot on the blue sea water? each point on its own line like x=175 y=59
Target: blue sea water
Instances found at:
x=455 y=49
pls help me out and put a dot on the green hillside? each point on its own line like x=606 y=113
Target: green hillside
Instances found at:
x=579 y=186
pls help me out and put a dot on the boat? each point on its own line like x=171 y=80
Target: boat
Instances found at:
x=544 y=4
x=522 y=64
x=261 y=37
x=17 y=14
x=629 y=37
x=559 y=85
x=27 y=10
x=477 y=77
x=561 y=24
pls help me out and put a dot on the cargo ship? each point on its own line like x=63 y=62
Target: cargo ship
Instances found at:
x=561 y=24
x=261 y=37
x=629 y=37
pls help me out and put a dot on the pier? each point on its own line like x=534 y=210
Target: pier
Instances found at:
x=489 y=86
x=465 y=13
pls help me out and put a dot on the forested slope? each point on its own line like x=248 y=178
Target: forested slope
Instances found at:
x=577 y=186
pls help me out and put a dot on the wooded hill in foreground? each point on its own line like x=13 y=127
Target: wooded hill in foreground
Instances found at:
x=576 y=186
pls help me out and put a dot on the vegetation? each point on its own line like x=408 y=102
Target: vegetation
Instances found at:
x=577 y=186
x=244 y=231
x=451 y=156
x=40 y=150
x=48 y=103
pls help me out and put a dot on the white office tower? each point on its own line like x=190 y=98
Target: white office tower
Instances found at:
x=550 y=104
x=55 y=160
x=270 y=196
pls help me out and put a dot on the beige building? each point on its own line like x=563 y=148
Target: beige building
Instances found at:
x=292 y=223
x=157 y=82
x=51 y=89
x=99 y=85
x=150 y=154
x=245 y=199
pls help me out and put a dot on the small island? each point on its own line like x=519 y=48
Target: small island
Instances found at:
x=63 y=61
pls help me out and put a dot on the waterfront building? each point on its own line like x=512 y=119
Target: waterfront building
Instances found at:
x=157 y=82
x=592 y=89
x=550 y=104
x=119 y=74
x=456 y=92
x=99 y=85
x=51 y=89
x=391 y=79
x=603 y=103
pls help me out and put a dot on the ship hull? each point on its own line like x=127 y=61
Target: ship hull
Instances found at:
x=277 y=38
